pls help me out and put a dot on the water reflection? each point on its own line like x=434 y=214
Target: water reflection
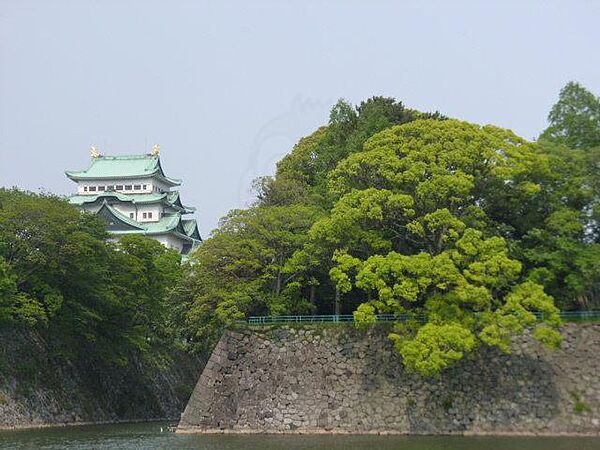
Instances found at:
x=148 y=436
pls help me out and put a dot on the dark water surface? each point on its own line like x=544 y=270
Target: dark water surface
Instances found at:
x=148 y=436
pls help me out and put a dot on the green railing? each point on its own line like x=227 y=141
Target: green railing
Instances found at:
x=567 y=316
x=577 y=316
x=332 y=318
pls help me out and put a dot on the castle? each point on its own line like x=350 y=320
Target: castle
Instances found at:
x=133 y=194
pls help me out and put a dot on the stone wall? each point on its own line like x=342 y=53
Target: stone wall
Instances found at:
x=341 y=380
x=41 y=386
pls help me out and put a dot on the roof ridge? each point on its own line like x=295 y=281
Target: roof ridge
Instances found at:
x=136 y=156
x=124 y=167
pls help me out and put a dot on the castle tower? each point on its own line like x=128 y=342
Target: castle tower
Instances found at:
x=135 y=196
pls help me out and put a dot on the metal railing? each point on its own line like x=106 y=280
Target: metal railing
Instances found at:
x=330 y=318
x=567 y=316
x=576 y=316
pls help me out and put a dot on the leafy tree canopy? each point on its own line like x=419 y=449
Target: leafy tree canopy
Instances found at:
x=417 y=228
x=470 y=232
x=60 y=275
x=575 y=118
x=240 y=270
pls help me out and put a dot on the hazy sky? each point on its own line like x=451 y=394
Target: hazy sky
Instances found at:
x=227 y=88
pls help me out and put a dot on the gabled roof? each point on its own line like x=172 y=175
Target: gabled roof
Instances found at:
x=136 y=198
x=191 y=228
x=121 y=224
x=165 y=224
x=122 y=167
x=175 y=199
x=117 y=222
x=169 y=198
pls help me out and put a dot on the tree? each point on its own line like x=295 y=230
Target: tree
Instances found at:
x=142 y=272
x=302 y=175
x=50 y=248
x=563 y=261
x=575 y=118
x=468 y=231
x=60 y=276
x=240 y=270
x=418 y=227
x=15 y=305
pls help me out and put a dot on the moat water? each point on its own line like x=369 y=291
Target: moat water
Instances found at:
x=148 y=436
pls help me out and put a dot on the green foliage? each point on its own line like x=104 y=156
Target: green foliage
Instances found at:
x=580 y=406
x=264 y=260
x=241 y=270
x=469 y=232
x=575 y=118
x=415 y=227
x=60 y=276
x=46 y=244
x=561 y=250
x=302 y=175
x=434 y=347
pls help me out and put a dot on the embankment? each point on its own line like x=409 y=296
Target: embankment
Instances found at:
x=40 y=385
x=341 y=380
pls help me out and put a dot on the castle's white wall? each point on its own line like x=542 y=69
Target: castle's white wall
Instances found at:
x=160 y=185
x=136 y=212
x=127 y=209
x=170 y=241
x=153 y=212
x=82 y=187
x=143 y=185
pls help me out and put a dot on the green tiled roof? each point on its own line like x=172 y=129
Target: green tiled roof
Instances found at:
x=122 y=217
x=191 y=228
x=137 y=198
x=174 y=198
x=166 y=224
x=171 y=198
x=121 y=167
x=119 y=224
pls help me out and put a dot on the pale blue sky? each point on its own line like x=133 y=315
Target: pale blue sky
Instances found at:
x=227 y=88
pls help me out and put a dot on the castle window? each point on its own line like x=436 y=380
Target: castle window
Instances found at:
x=119 y=187
x=92 y=188
x=131 y=215
x=150 y=215
x=101 y=188
x=145 y=186
x=144 y=215
x=127 y=187
x=85 y=189
x=137 y=187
